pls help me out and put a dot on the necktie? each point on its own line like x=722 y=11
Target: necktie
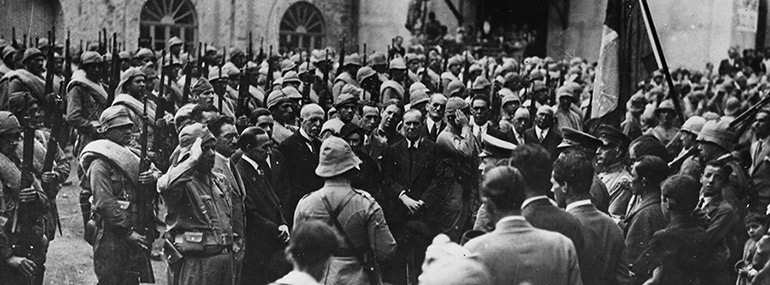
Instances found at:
x=758 y=152
x=540 y=136
x=434 y=130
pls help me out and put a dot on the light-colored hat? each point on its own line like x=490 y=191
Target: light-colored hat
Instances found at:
x=455 y=60
x=352 y=59
x=409 y=57
x=378 y=58
x=187 y=137
x=8 y=50
x=345 y=98
x=333 y=125
x=8 y=122
x=397 y=63
x=509 y=96
x=732 y=106
x=291 y=92
x=128 y=75
x=564 y=91
x=693 y=125
x=291 y=76
x=480 y=83
x=352 y=90
x=235 y=51
x=455 y=103
x=124 y=55
x=230 y=70
x=90 y=57
x=336 y=158
x=174 y=41
x=214 y=73
x=31 y=53
x=475 y=67
x=112 y=117
x=666 y=105
x=145 y=52
x=306 y=67
x=717 y=132
x=393 y=85
x=453 y=87
x=287 y=65
x=418 y=86
x=364 y=73
x=275 y=98
x=417 y=97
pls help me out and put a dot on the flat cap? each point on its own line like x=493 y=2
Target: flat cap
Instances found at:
x=496 y=147
x=611 y=135
x=397 y=63
x=455 y=103
x=574 y=137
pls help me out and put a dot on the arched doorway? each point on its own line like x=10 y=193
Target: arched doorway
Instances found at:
x=302 y=27
x=163 y=19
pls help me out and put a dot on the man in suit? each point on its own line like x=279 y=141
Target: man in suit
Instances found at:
x=516 y=252
x=434 y=123
x=300 y=152
x=520 y=122
x=731 y=64
x=408 y=168
x=603 y=258
x=542 y=133
x=267 y=231
x=760 y=164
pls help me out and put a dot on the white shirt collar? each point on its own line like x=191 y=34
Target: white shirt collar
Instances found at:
x=541 y=132
x=535 y=198
x=578 y=204
x=511 y=218
x=304 y=134
x=416 y=143
x=252 y=162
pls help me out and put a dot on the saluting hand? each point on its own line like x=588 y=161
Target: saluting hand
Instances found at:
x=196 y=150
x=49 y=177
x=461 y=119
x=146 y=177
x=26 y=266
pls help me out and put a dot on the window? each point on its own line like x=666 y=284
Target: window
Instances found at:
x=302 y=27
x=164 y=19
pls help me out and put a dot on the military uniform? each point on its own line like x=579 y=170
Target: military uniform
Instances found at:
x=618 y=182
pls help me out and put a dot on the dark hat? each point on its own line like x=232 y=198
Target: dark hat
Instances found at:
x=611 y=135
x=574 y=137
x=496 y=147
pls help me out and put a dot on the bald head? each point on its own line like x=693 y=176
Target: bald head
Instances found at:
x=312 y=116
x=521 y=113
x=310 y=110
x=436 y=107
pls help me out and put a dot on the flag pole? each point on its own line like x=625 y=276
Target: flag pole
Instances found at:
x=659 y=57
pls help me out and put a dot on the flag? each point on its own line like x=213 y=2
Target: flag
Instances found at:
x=626 y=57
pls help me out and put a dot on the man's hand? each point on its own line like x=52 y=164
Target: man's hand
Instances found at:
x=26 y=266
x=146 y=177
x=412 y=205
x=461 y=119
x=138 y=240
x=283 y=233
x=49 y=177
x=28 y=195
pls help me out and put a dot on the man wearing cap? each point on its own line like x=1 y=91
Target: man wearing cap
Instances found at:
x=715 y=143
x=267 y=230
x=282 y=109
x=434 y=121
x=399 y=72
x=379 y=62
x=453 y=71
x=613 y=173
x=29 y=78
x=390 y=90
x=131 y=90
x=175 y=49
x=577 y=141
x=350 y=67
x=687 y=161
x=413 y=64
x=301 y=152
x=540 y=92
x=665 y=131
x=408 y=168
x=496 y=151
x=111 y=172
x=86 y=99
x=356 y=216
x=6 y=61
x=542 y=132
x=199 y=245
x=370 y=84
x=565 y=116
x=455 y=171
x=17 y=269
x=346 y=106
x=760 y=151
x=632 y=125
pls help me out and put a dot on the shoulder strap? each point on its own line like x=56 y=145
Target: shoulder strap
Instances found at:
x=333 y=214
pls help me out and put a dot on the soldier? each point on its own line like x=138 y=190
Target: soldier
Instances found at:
x=614 y=175
x=347 y=76
x=282 y=109
x=355 y=216
x=29 y=78
x=577 y=141
x=86 y=99
x=111 y=172
x=21 y=212
x=199 y=240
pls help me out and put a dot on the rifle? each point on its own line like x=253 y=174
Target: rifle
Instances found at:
x=25 y=242
x=309 y=82
x=14 y=43
x=261 y=55
x=220 y=86
x=364 y=63
x=52 y=149
x=425 y=79
x=187 y=80
x=342 y=55
x=466 y=69
x=744 y=120
x=37 y=42
x=145 y=199
x=250 y=54
x=243 y=86
x=161 y=85
x=270 y=71
x=324 y=94
x=48 y=89
x=24 y=41
x=67 y=72
x=115 y=76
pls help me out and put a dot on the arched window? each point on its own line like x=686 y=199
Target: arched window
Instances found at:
x=302 y=27
x=164 y=19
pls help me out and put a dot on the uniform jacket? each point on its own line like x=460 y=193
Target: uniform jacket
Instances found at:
x=542 y=214
x=641 y=224
x=603 y=259
x=363 y=221
x=760 y=167
x=263 y=217
x=551 y=140
x=300 y=167
x=516 y=252
x=224 y=166
x=618 y=182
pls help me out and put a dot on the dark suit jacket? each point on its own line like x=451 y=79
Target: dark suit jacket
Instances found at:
x=641 y=224
x=405 y=169
x=425 y=132
x=263 y=217
x=298 y=171
x=603 y=260
x=725 y=67
x=544 y=215
x=551 y=141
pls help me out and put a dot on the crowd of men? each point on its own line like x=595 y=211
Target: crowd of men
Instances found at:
x=426 y=167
